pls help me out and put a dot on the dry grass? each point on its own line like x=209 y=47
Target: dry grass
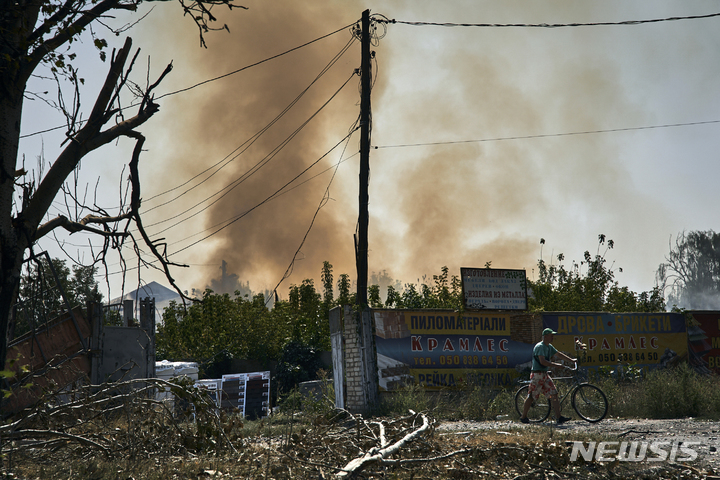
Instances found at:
x=108 y=434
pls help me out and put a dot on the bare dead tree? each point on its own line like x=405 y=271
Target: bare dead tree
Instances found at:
x=32 y=33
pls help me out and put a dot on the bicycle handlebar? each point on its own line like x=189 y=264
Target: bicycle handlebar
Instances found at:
x=573 y=369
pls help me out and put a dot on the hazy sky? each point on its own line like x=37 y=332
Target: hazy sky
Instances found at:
x=484 y=194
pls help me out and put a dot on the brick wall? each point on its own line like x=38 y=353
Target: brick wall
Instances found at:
x=355 y=397
x=526 y=328
x=360 y=364
x=390 y=324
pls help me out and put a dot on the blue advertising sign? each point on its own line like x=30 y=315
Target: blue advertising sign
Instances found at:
x=439 y=349
x=611 y=338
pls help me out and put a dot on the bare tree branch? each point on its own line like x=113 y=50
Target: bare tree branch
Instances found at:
x=378 y=455
x=135 y=212
x=82 y=225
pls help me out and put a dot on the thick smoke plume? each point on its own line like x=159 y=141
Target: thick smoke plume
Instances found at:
x=457 y=204
x=210 y=122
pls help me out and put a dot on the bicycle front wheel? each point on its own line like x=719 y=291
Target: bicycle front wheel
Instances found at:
x=539 y=409
x=589 y=402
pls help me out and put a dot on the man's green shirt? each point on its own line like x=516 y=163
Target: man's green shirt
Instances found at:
x=542 y=350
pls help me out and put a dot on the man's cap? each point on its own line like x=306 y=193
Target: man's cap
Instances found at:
x=548 y=331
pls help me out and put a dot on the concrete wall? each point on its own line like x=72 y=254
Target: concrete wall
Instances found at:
x=123 y=352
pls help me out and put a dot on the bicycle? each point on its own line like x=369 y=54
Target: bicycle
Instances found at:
x=588 y=401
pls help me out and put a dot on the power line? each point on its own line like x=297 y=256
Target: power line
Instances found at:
x=281 y=191
x=267 y=158
x=271 y=197
x=258 y=63
x=249 y=142
x=383 y=19
x=215 y=78
x=284 y=192
x=235 y=183
x=226 y=223
x=255 y=168
x=323 y=201
x=525 y=137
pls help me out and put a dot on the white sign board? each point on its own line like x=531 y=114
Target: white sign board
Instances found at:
x=493 y=289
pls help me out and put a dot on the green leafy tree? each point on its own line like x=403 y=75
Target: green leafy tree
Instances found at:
x=247 y=328
x=690 y=274
x=309 y=317
x=444 y=292
x=374 y=299
x=587 y=287
x=46 y=285
x=326 y=276
x=344 y=295
x=244 y=328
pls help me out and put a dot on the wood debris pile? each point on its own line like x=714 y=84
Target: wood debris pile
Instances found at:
x=410 y=448
x=121 y=431
x=117 y=419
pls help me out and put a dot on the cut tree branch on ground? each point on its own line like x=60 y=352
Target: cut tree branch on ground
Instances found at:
x=378 y=455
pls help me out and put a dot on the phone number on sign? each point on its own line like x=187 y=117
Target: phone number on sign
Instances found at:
x=464 y=360
x=624 y=357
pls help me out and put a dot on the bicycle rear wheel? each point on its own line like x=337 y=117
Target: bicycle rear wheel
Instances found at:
x=589 y=402
x=539 y=409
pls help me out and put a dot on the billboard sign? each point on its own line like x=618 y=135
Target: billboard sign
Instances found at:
x=704 y=340
x=444 y=349
x=651 y=339
x=493 y=289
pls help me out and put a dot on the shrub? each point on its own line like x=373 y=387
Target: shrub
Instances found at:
x=472 y=403
x=670 y=393
x=299 y=363
x=677 y=392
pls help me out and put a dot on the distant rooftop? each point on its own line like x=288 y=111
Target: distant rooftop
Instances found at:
x=162 y=295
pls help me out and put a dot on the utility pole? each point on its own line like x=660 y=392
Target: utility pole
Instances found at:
x=362 y=235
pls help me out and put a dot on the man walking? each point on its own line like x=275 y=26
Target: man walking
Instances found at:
x=540 y=380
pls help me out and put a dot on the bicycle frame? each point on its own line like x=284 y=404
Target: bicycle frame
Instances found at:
x=588 y=401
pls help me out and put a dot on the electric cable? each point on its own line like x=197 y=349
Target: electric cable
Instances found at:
x=269 y=198
x=224 y=224
x=323 y=202
x=548 y=135
x=383 y=19
x=215 y=78
x=248 y=143
x=257 y=63
x=276 y=195
x=237 y=182
x=275 y=151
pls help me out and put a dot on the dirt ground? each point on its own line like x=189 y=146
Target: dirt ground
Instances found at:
x=615 y=429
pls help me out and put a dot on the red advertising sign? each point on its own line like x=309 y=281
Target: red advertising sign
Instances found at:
x=704 y=340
